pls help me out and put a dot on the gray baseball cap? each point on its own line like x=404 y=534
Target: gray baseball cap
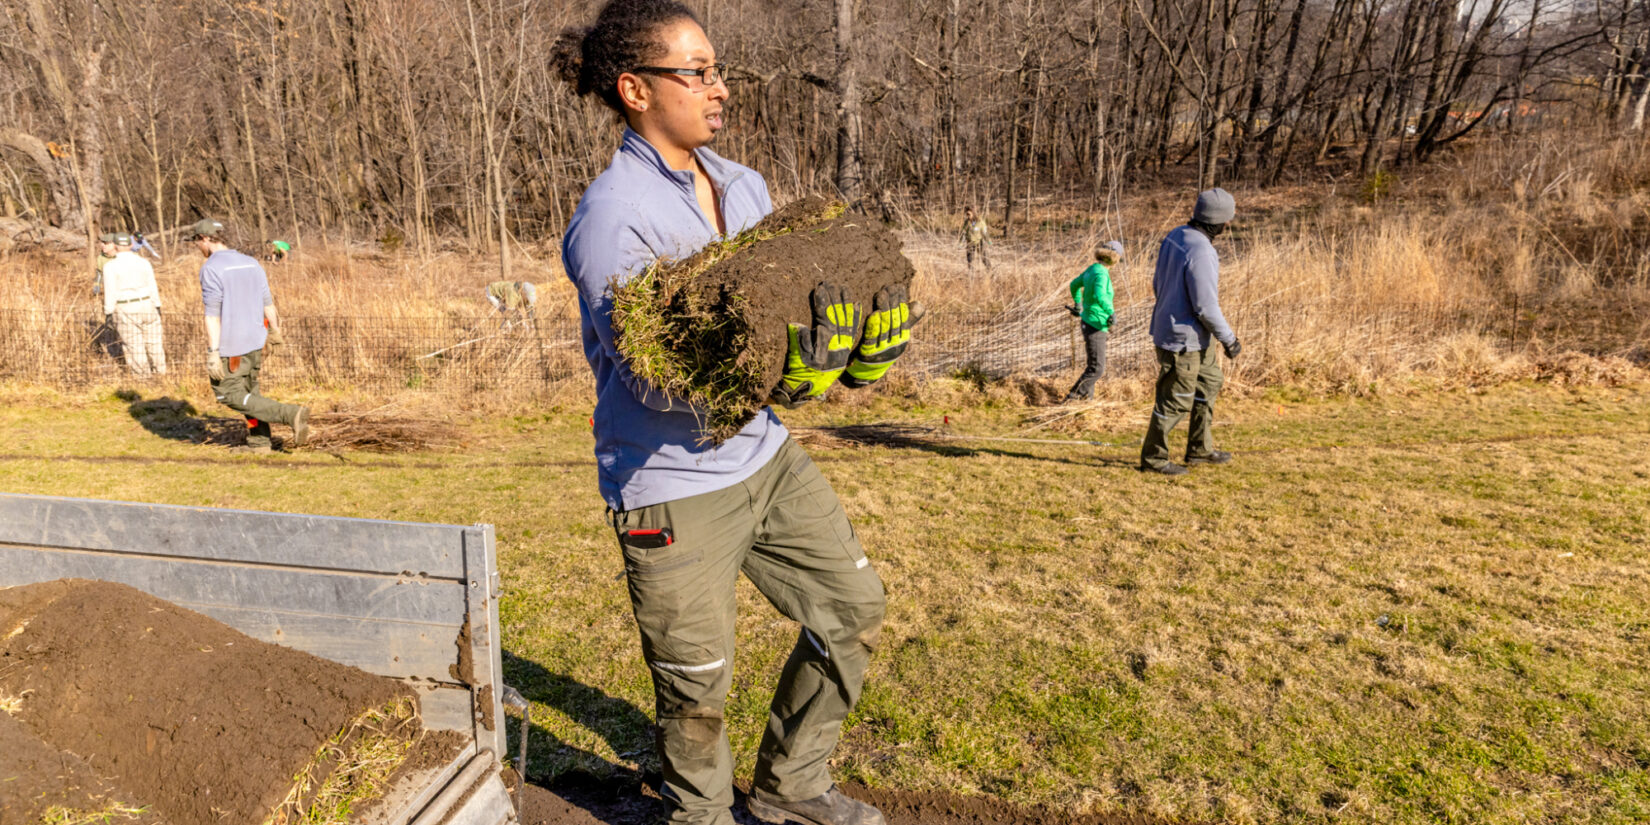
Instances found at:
x=121 y=238
x=1214 y=207
x=204 y=227
x=1115 y=246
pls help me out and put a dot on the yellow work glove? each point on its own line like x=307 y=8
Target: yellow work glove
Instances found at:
x=887 y=333
x=813 y=361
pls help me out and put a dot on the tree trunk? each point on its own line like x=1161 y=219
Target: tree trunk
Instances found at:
x=848 y=183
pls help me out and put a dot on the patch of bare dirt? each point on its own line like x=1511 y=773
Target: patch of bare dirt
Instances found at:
x=589 y=801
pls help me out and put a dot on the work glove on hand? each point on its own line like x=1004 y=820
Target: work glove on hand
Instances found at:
x=815 y=360
x=214 y=366
x=887 y=333
x=274 y=338
x=1233 y=348
x=1075 y=312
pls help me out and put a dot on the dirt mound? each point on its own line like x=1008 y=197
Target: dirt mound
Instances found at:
x=712 y=329
x=180 y=715
x=39 y=783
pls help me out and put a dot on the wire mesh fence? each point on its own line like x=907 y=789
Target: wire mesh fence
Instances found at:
x=483 y=354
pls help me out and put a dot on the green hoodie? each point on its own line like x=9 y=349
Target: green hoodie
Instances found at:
x=1092 y=291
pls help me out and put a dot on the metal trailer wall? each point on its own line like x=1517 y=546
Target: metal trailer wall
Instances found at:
x=391 y=598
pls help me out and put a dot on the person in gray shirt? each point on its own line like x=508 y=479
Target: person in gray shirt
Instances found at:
x=241 y=323
x=1184 y=319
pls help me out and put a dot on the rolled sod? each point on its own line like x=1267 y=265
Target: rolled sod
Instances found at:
x=711 y=329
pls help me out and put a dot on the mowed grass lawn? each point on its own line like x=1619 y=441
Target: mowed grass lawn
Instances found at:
x=1407 y=609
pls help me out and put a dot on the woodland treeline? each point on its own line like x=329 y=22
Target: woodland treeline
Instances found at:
x=440 y=122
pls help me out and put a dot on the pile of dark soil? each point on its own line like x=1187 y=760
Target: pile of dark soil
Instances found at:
x=711 y=330
x=129 y=701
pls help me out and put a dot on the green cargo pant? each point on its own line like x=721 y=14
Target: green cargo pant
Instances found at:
x=239 y=391
x=1186 y=382
x=786 y=530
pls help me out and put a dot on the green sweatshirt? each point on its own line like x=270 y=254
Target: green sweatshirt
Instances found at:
x=1092 y=292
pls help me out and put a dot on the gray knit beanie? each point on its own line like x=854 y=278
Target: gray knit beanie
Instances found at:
x=1214 y=207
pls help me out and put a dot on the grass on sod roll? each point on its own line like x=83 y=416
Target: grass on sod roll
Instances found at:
x=676 y=339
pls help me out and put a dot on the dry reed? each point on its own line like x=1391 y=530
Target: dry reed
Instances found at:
x=1519 y=244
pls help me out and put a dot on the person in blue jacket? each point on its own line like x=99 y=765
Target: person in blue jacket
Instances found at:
x=691 y=517
x=1186 y=323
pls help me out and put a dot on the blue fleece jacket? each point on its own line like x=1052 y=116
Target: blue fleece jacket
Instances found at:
x=235 y=290
x=1187 y=284
x=639 y=210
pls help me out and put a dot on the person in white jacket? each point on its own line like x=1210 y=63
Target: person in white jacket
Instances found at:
x=131 y=301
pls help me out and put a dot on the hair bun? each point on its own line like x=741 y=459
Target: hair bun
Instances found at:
x=567 y=55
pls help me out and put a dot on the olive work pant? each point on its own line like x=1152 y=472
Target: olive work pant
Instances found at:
x=786 y=531
x=239 y=391
x=1186 y=382
x=1094 y=346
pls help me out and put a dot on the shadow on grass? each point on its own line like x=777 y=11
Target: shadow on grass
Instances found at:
x=613 y=794
x=900 y=436
x=178 y=420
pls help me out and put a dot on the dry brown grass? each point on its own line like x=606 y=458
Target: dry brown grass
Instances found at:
x=1521 y=245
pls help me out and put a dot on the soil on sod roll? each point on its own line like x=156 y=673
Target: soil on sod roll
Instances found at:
x=180 y=716
x=711 y=329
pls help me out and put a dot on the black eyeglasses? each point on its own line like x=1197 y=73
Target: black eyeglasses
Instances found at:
x=708 y=75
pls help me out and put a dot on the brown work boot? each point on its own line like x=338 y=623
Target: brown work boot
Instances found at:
x=832 y=807
x=300 y=427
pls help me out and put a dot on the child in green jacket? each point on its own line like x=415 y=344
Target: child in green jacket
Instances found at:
x=1091 y=292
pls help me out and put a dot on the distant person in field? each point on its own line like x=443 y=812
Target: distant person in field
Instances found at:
x=131 y=301
x=141 y=245
x=241 y=323
x=1186 y=323
x=515 y=300
x=1091 y=296
x=105 y=253
x=976 y=237
x=276 y=251
x=689 y=517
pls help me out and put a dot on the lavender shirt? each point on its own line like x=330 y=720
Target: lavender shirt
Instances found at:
x=637 y=211
x=235 y=290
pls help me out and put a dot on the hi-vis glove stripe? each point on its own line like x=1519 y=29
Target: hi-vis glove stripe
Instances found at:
x=887 y=333
x=817 y=355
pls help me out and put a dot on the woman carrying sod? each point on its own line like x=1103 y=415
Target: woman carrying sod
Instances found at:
x=690 y=519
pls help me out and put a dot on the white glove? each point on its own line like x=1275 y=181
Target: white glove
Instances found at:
x=214 y=366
